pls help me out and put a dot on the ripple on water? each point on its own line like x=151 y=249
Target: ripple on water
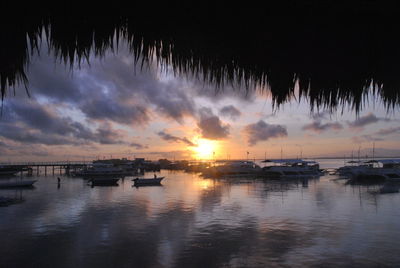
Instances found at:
x=190 y=220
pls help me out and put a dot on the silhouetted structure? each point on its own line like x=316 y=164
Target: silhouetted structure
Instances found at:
x=335 y=50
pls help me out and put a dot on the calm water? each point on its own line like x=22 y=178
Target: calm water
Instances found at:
x=196 y=222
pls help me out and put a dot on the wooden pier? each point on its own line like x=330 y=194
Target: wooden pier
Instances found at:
x=47 y=168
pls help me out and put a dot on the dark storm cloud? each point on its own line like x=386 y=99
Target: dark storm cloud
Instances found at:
x=211 y=127
x=262 y=131
x=121 y=85
x=106 y=135
x=365 y=120
x=103 y=109
x=318 y=127
x=168 y=137
x=111 y=88
x=32 y=123
x=34 y=136
x=52 y=80
x=230 y=111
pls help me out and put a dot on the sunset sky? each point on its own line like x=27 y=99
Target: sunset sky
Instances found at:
x=109 y=109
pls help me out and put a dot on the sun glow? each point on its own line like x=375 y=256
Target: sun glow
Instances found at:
x=205 y=149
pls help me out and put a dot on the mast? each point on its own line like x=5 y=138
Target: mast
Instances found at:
x=373 y=151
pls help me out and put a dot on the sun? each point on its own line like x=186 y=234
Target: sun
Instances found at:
x=205 y=149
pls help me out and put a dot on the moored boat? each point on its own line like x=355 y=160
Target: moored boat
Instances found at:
x=101 y=170
x=291 y=168
x=383 y=169
x=103 y=181
x=17 y=183
x=9 y=170
x=148 y=181
x=229 y=168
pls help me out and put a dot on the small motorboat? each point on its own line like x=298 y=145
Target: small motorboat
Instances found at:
x=103 y=181
x=17 y=183
x=147 y=181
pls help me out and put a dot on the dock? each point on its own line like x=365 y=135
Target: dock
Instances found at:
x=47 y=168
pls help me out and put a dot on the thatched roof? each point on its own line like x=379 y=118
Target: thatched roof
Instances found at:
x=335 y=51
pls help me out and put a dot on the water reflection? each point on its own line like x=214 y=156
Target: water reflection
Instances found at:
x=196 y=222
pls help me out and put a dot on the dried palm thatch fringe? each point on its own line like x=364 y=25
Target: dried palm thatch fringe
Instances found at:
x=338 y=53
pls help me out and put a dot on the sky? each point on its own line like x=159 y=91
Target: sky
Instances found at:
x=110 y=108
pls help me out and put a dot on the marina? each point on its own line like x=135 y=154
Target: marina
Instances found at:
x=288 y=222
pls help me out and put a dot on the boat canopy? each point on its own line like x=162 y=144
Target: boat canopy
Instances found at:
x=358 y=162
x=101 y=165
x=289 y=161
x=384 y=161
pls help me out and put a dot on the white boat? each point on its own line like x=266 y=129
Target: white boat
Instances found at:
x=101 y=170
x=148 y=181
x=291 y=168
x=384 y=168
x=352 y=169
x=372 y=169
x=222 y=168
x=16 y=183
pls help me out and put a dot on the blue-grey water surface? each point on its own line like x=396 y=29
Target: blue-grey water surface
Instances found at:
x=194 y=222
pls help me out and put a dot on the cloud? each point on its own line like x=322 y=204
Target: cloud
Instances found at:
x=106 y=135
x=318 y=127
x=230 y=111
x=111 y=88
x=138 y=146
x=211 y=127
x=365 y=120
x=365 y=138
x=171 y=138
x=32 y=123
x=262 y=131
x=388 y=131
x=319 y=115
x=109 y=109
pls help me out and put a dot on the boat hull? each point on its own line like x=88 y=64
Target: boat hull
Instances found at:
x=8 y=173
x=149 y=181
x=13 y=184
x=104 y=181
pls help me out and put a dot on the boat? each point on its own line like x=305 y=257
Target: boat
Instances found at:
x=101 y=170
x=383 y=169
x=352 y=169
x=17 y=183
x=103 y=181
x=229 y=168
x=9 y=170
x=388 y=169
x=147 y=181
x=291 y=168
